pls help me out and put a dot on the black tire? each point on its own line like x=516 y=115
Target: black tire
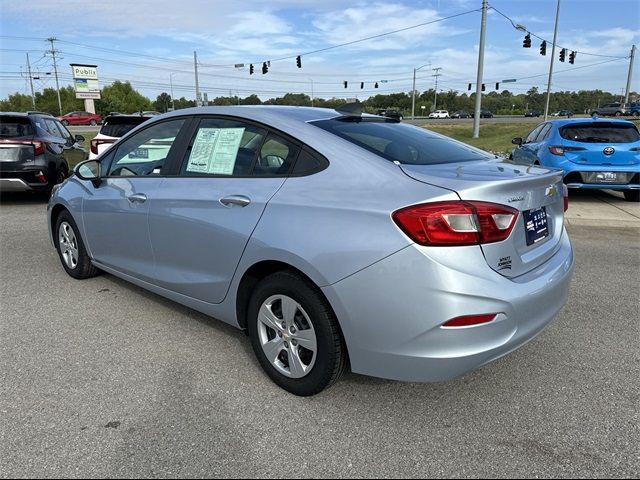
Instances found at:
x=632 y=195
x=84 y=268
x=61 y=175
x=636 y=113
x=93 y=123
x=618 y=114
x=331 y=358
x=65 y=123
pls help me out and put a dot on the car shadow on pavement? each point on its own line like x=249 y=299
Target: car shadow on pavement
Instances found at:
x=23 y=198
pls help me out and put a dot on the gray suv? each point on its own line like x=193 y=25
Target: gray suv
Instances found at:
x=615 y=109
x=35 y=151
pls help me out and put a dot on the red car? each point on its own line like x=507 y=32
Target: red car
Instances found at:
x=80 y=118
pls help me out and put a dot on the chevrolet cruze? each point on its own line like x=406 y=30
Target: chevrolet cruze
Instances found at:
x=335 y=239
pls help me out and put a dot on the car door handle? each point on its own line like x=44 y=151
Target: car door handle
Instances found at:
x=137 y=198
x=239 y=200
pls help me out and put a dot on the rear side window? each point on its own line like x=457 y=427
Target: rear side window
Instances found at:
x=225 y=148
x=601 y=132
x=119 y=126
x=15 y=127
x=401 y=143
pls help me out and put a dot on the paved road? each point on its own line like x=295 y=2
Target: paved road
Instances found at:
x=99 y=378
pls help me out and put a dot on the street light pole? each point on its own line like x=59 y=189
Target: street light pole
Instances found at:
x=413 y=101
x=483 y=31
x=311 y=91
x=553 y=57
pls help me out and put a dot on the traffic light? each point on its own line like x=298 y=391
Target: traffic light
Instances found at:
x=299 y=61
x=265 y=69
x=572 y=57
x=361 y=85
x=563 y=54
x=345 y=84
x=527 y=41
x=543 y=48
x=251 y=69
x=497 y=85
x=483 y=87
x=376 y=85
x=469 y=87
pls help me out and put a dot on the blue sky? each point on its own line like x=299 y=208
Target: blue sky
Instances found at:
x=163 y=35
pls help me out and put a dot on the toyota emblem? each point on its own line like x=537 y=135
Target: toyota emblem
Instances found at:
x=609 y=151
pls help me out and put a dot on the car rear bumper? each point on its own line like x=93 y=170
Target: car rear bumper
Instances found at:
x=391 y=312
x=582 y=177
x=14 y=185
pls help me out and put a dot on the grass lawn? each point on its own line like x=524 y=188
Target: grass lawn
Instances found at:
x=495 y=137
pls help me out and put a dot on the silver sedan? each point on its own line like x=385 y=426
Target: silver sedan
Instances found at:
x=335 y=239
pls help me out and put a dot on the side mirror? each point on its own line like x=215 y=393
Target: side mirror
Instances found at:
x=517 y=141
x=89 y=170
x=80 y=138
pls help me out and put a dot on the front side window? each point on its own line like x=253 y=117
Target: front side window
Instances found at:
x=223 y=147
x=544 y=132
x=50 y=127
x=532 y=136
x=145 y=153
x=399 y=142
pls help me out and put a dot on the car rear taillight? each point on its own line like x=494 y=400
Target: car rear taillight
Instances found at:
x=96 y=142
x=456 y=223
x=469 y=320
x=38 y=145
x=557 y=150
x=565 y=196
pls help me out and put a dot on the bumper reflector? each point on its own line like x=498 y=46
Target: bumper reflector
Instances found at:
x=470 y=320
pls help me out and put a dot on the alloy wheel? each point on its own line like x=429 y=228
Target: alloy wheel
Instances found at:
x=68 y=245
x=287 y=336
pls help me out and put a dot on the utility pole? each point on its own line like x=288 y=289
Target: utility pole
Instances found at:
x=633 y=54
x=483 y=31
x=173 y=103
x=195 y=66
x=33 y=97
x=53 y=52
x=435 y=98
x=413 y=101
x=311 y=91
x=553 y=57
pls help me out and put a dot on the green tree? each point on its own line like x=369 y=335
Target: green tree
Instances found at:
x=121 y=97
x=18 y=102
x=162 y=103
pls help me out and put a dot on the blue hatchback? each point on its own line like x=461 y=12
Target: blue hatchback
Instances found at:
x=592 y=152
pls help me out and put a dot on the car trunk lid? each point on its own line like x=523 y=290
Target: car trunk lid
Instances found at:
x=535 y=192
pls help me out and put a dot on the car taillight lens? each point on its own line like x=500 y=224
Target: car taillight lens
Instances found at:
x=95 y=142
x=456 y=223
x=565 y=196
x=560 y=151
x=470 y=320
x=38 y=146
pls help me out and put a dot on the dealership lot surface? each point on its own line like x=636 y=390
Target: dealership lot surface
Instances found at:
x=100 y=378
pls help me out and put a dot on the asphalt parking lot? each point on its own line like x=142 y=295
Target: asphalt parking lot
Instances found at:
x=99 y=378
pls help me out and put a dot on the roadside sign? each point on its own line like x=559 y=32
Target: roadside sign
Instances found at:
x=509 y=80
x=384 y=81
x=85 y=81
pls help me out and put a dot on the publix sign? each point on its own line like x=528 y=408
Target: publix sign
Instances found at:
x=85 y=80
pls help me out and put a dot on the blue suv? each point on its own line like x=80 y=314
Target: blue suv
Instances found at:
x=592 y=152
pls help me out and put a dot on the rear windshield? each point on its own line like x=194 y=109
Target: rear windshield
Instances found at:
x=11 y=127
x=600 y=133
x=119 y=126
x=401 y=143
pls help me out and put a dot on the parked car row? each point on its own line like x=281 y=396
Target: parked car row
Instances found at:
x=617 y=109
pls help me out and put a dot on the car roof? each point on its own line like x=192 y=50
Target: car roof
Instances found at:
x=569 y=121
x=270 y=114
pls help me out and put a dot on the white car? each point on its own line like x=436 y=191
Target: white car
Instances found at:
x=114 y=127
x=439 y=114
